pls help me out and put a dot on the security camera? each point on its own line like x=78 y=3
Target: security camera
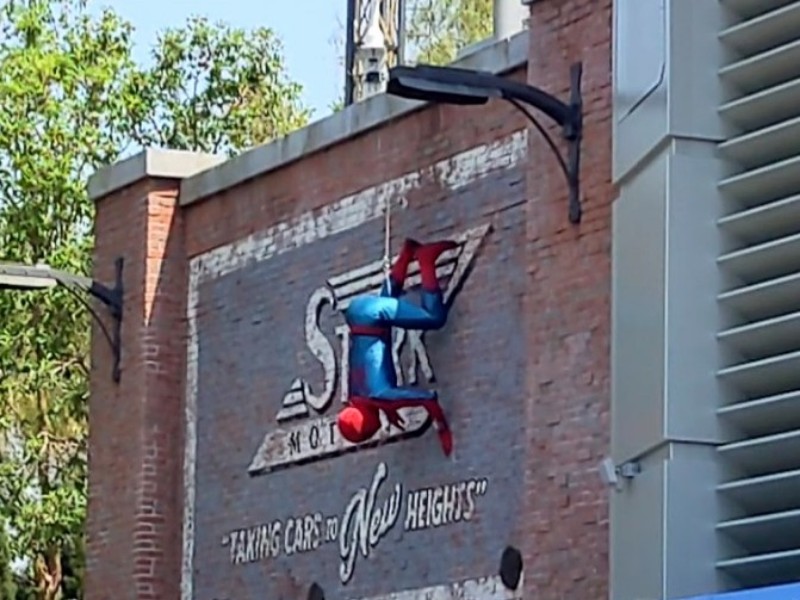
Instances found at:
x=608 y=473
x=613 y=475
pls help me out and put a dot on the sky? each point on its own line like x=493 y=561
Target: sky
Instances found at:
x=307 y=29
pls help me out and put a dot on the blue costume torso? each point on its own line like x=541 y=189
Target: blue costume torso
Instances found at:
x=371 y=375
x=372 y=372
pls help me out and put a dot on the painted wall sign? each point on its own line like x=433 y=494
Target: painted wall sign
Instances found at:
x=371 y=513
x=318 y=438
x=263 y=377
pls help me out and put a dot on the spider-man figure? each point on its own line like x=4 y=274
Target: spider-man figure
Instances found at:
x=372 y=379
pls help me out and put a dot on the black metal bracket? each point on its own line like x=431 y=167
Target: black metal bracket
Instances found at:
x=21 y=277
x=113 y=299
x=469 y=87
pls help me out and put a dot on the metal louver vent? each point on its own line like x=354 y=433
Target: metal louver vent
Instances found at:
x=760 y=342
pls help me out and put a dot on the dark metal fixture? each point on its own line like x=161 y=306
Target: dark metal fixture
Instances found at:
x=315 y=592
x=511 y=568
x=452 y=85
x=26 y=278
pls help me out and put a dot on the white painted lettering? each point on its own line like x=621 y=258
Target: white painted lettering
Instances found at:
x=264 y=539
x=436 y=506
x=314 y=437
x=412 y=509
x=230 y=540
x=252 y=536
x=372 y=512
x=295 y=445
x=343 y=333
x=443 y=505
x=469 y=500
x=419 y=359
x=254 y=543
x=449 y=504
x=241 y=548
x=288 y=537
x=398 y=342
x=364 y=522
x=321 y=348
x=331 y=529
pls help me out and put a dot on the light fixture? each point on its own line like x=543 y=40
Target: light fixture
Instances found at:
x=451 y=85
x=27 y=278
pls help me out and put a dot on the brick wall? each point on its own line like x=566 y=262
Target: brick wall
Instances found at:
x=135 y=451
x=462 y=169
x=568 y=325
x=223 y=285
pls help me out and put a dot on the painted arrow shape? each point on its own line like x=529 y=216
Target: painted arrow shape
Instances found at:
x=307 y=440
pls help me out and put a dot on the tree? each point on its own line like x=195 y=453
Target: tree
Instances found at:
x=8 y=589
x=214 y=89
x=438 y=29
x=71 y=100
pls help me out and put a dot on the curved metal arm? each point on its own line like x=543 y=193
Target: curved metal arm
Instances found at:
x=22 y=277
x=573 y=133
x=469 y=87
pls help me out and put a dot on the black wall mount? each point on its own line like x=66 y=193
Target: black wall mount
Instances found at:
x=451 y=85
x=315 y=592
x=511 y=568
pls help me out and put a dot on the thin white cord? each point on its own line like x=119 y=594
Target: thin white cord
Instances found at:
x=387 y=237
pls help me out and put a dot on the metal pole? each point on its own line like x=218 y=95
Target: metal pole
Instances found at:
x=401 y=32
x=349 y=52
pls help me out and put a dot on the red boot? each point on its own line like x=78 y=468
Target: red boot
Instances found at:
x=399 y=270
x=441 y=425
x=427 y=255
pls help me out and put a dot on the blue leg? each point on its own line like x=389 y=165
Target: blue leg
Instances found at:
x=432 y=314
x=404 y=393
x=394 y=312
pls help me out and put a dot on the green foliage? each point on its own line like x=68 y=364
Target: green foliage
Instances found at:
x=214 y=89
x=8 y=588
x=438 y=29
x=336 y=105
x=71 y=100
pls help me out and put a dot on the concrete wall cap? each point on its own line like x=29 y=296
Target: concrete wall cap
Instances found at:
x=150 y=162
x=498 y=57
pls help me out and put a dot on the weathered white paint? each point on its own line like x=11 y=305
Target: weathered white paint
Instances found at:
x=366 y=520
x=367 y=205
x=484 y=588
x=350 y=212
x=303 y=442
x=443 y=504
x=315 y=439
x=372 y=513
x=452 y=267
x=322 y=350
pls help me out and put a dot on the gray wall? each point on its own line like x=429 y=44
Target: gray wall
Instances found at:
x=664 y=318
